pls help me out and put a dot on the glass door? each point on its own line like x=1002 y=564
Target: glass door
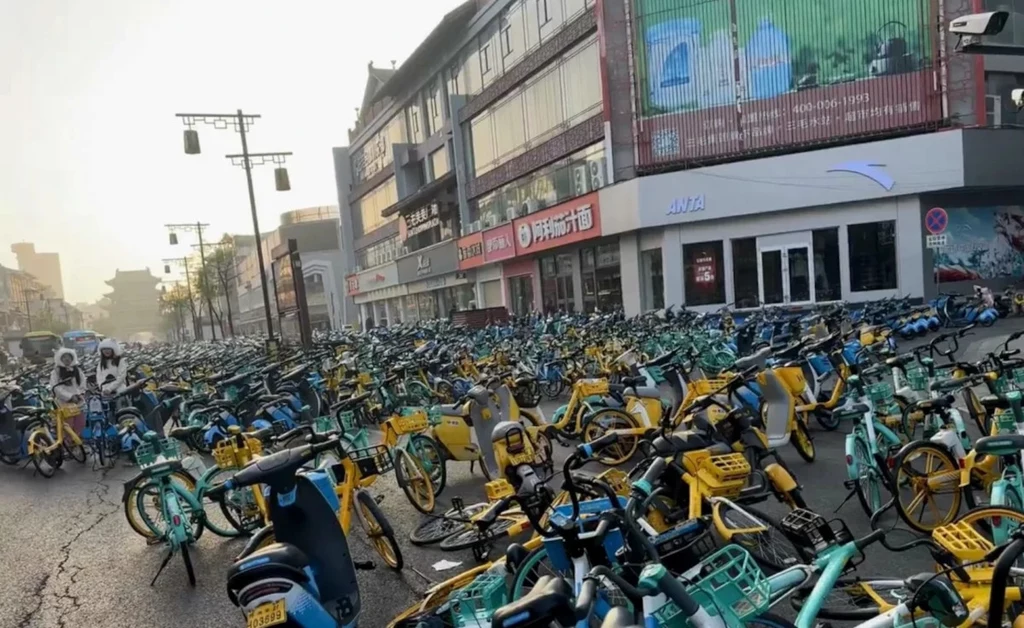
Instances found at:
x=786 y=274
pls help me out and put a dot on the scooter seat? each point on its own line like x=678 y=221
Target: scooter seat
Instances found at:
x=551 y=599
x=719 y=449
x=663 y=359
x=647 y=392
x=275 y=560
x=234 y=381
x=679 y=442
x=931 y=405
x=451 y=409
x=172 y=389
x=1003 y=444
x=755 y=359
x=901 y=360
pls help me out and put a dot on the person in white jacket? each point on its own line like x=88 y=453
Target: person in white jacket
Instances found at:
x=111 y=366
x=68 y=383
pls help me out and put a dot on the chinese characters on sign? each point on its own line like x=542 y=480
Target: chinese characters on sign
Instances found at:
x=499 y=243
x=422 y=219
x=353 y=284
x=555 y=226
x=470 y=251
x=704 y=270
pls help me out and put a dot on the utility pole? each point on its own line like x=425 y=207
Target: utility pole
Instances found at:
x=197 y=327
x=247 y=161
x=197 y=228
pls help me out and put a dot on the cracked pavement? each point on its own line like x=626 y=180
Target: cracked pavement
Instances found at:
x=68 y=557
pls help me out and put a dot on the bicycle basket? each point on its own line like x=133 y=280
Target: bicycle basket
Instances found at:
x=325 y=424
x=881 y=393
x=479 y=600
x=147 y=454
x=372 y=461
x=811 y=531
x=709 y=385
x=1006 y=423
x=961 y=540
x=347 y=421
x=1018 y=377
x=411 y=423
x=63 y=413
x=731 y=586
x=917 y=378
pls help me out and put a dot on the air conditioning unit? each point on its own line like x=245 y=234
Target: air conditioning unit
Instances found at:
x=580 y=180
x=597 y=171
x=488 y=221
x=474 y=226
x=528 y=207
x=510 y=214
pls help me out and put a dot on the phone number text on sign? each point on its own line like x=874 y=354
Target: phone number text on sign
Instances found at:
x=811 y=115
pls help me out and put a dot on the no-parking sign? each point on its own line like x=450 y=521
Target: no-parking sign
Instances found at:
x=936 y=220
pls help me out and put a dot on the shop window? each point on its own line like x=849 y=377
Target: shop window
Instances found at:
x=827 y=280
x=520 y=292
x=704 y=279
x=999 y=107
x=556 y=283
x=744 y=272
x=872 y=256
x=652 y=297
x=602 y=278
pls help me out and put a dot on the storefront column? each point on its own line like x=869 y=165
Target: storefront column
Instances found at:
x=577 y=281
x=672 y=263
x=389 y=313
x=629 y=267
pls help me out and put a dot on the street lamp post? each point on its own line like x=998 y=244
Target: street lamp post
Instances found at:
x=248 y=161
x=198 y=228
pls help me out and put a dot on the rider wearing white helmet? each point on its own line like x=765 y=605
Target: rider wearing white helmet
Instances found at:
x=111 y=365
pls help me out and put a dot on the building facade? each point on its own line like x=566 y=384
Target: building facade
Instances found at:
x=579 y=155
x=133 y=304
x=43 y=266
x=317 y=234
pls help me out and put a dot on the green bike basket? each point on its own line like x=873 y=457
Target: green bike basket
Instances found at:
x=477 y=602
x=731 y=586
x=918 y=379
x=325 y=424
x=146 y=454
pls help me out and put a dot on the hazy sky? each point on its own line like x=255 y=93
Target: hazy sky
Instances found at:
x=92 y=164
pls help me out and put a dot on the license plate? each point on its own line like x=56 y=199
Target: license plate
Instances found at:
x=270 y=614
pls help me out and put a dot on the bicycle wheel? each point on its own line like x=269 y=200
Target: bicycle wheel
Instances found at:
x=46 y=462
x=414 y=481
x=928 y=486
x=473 y=535
x=432 y=458
x=378 y=530
x=75 y=449
x=242 y=510
x=606 y=420
x=771 y=548
x=995 y=523
x=135 y=517
x=187 y=558
x=856 y=599
x=534 y=566
x=149 y=503
x=439 y=528
x=801 y=440
x=222 y=518
x=869 y=482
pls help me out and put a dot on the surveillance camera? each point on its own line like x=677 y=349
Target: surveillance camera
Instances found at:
x=1017 y=96
x=978 y=24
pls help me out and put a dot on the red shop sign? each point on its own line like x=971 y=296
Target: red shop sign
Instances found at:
x=576 y=220
x=499 y=243
x=471 y=251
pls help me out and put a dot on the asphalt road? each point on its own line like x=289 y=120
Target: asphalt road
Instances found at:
x=68 y=557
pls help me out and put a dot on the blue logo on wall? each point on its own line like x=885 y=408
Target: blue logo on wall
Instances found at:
x=867 y=169
x=686 y=205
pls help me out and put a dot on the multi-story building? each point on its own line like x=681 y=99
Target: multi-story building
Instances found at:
x=580 y=155
x=133 y=304
x=21 y=295
x=43 y=266
x=316 y=233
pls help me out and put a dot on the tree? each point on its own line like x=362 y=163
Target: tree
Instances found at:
x=205 y=293
x=222 y=263
x=174 y=305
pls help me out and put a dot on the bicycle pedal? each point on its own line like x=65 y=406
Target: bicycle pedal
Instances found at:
x=378 y=498
x=365 y=565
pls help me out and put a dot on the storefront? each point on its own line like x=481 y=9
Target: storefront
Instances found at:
x=843 y=223
x=434 y=283
x=377 y=294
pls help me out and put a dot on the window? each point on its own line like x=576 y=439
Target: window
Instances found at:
x=556 y=283
x=439 y=162
x=506 y=37
x=520 y=292
x=872 y=256
x=999 y=109
x=652 y=297
x=704 y=279
x=602 y=278
x=744 y=272
x=559 y=97
x=827 y=280
x=380 y=253
x=485 y=59
x=543 y=12
x=367 y=210
x=416 y=134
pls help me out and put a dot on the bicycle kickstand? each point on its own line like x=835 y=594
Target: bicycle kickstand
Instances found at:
x=170 y=554
x=852 y=485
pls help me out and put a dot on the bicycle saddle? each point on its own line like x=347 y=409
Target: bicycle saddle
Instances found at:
x=550 y=600
x=1001 y=445
x=679 y=442
x=931 y=405
x=235 y=380
x=173 y=389
x=184 y=432
x=901 y=360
